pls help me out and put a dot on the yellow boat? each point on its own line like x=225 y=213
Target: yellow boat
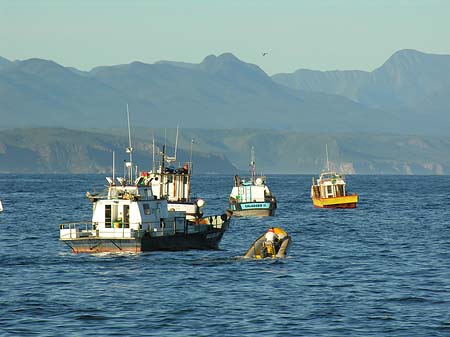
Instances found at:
x=329 y=192
x=261 y=249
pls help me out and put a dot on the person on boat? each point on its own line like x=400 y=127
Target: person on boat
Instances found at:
x=271 y=236
x=270 y=243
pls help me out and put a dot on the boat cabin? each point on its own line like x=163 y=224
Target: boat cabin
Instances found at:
x=329 y=185
x=129 y=212
x=246 y=191
x=170 y=182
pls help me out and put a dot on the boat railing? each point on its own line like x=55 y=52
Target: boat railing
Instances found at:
x=74 y=230
x=88 y=229
x=174 y=167
x=214 y=221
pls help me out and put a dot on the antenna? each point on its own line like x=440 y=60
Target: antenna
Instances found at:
x=252 y=165
x=190 y=156
x=129 y=149
x=328 y=163
x=153 y=152
x=113 y=165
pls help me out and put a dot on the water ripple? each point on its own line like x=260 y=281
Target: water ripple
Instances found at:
x=382 y=269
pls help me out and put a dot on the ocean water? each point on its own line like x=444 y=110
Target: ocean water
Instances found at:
x=382 y=269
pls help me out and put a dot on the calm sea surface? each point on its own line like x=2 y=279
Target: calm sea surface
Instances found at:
x=382 y=269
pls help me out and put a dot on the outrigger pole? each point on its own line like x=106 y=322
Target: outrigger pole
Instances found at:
x=174 y=158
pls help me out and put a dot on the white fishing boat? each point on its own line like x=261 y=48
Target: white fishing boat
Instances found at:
x=129 y=217
x=252 y=197
x=1 y=206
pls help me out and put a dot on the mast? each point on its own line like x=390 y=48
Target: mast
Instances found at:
x=129 y=149
x=252 y=166
x=113 y=165
x=163 y=158
x=328 y=162
x=163 y=177
x=153 y=153
x=190 y=157
x=189 y=172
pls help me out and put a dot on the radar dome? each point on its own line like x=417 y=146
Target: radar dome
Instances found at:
x=259 y=181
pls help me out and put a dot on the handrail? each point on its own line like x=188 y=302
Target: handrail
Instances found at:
x=178 y=167
x=91 y=229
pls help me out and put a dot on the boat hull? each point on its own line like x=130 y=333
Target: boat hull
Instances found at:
x=253 y=209
x=348 y=201
x=204 y=241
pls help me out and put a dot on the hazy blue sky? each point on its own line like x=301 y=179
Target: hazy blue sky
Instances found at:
x=314 y=34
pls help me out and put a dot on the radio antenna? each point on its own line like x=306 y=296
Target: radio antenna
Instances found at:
x=129 y=149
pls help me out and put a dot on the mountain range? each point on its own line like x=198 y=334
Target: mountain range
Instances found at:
x=410 y=90
x=411 y=85
x=222 y=151
x=57 y=150
x=391 y=120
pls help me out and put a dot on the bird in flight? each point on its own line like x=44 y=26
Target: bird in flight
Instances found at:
x=264 y=53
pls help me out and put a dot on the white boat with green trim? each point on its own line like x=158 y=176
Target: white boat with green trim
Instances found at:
x=252 y=197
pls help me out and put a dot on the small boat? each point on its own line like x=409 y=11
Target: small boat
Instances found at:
x=252 y=197
x=1 y=206
x=262 y=248
x=130 y=217
x=329 y=191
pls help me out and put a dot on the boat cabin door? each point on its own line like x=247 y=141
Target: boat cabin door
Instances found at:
x=246 y=193
x=329 y=191
x=340 y=190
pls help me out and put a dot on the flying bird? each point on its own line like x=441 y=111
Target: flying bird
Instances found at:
x=264 y=53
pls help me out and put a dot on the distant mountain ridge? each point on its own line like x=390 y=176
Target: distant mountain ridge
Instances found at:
x=408 y=94
x=409 y=83
x=55 y=150
x=4 y=61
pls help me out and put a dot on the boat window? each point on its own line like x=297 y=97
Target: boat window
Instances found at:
x=126 y=216
x=147 y=210
x=329 y=189
x=107 y=216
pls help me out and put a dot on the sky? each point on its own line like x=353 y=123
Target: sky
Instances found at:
x=295 y=34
